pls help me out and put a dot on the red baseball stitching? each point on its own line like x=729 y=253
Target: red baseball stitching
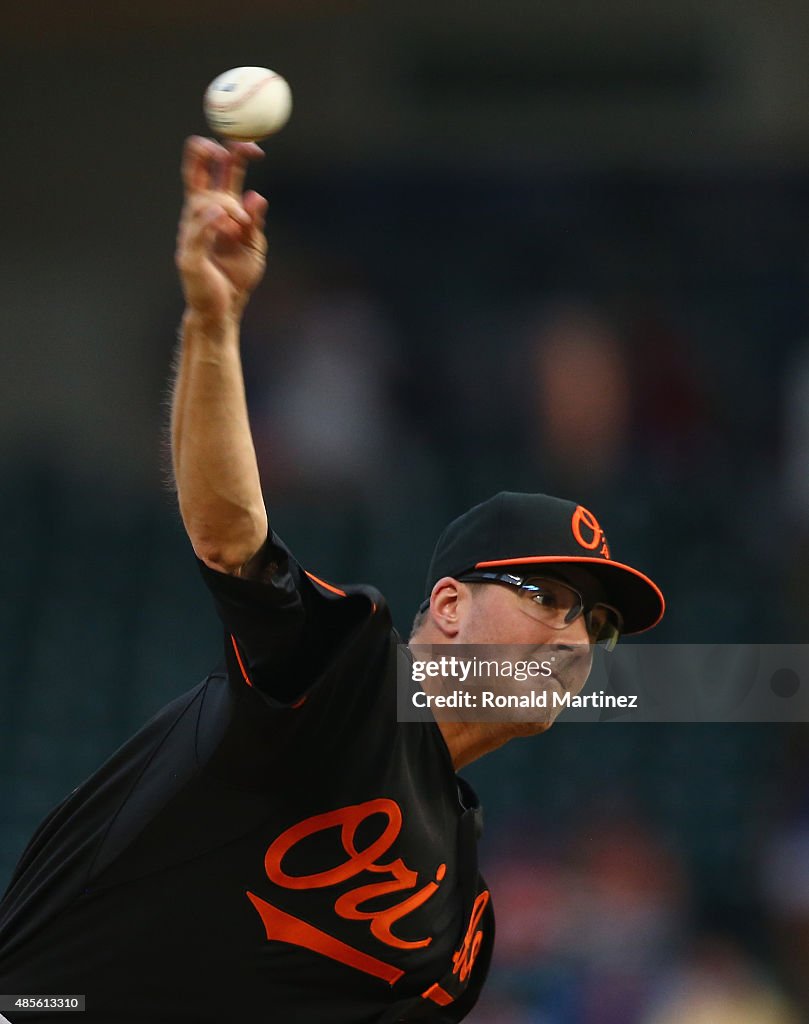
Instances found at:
x=227 y=105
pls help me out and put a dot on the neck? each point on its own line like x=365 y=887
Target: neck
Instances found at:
x=467 y=741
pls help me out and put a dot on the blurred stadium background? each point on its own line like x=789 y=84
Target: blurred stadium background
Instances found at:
x=557 y=246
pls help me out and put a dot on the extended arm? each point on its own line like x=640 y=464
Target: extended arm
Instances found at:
x=282 y=628
x=220 y=256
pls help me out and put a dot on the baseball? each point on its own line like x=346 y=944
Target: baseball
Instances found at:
x=247 y=103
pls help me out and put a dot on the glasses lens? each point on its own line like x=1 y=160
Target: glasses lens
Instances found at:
x=551 y=602
x=604 y=625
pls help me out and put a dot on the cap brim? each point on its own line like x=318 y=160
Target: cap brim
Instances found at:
x=639 y=600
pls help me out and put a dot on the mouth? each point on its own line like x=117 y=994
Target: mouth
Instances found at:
x=571 y=674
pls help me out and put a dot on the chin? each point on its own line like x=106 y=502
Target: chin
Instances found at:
x=530 y=728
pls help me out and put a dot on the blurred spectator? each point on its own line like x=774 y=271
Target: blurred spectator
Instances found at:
x=578 y=397
x=323 y=419
x=719 y=984
x=584 y=930
x=634 y=894
x=633 y=909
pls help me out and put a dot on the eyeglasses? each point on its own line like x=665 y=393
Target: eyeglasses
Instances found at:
x=557 y=605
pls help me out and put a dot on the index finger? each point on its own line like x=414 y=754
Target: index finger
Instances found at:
x=198 y=153
x=241 y=154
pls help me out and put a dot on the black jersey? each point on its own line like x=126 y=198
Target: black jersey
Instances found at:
x=272 y=846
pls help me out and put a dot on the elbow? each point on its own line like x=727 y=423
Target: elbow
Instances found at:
x=230 y=551
x=230 y=559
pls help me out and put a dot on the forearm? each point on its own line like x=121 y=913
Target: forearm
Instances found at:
x=214 y=459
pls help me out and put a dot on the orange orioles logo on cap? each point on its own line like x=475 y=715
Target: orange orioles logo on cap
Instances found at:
x=587 y=531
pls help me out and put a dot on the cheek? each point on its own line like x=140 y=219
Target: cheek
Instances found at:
x=514 y=630
x=577 y=671
x=490 y=622
x=483 y=630
x=482 y=622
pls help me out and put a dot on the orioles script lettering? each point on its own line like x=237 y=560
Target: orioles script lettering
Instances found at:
x=283 y=927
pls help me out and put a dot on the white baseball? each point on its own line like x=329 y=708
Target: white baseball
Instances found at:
x=247 y=103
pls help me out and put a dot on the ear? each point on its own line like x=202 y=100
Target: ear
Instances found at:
x=448 y=603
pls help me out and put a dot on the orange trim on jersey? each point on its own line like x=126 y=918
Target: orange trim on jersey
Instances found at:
x=328 y=586
x=245 y=676
x=283 y=927
x=437 y=995
x=549 y=559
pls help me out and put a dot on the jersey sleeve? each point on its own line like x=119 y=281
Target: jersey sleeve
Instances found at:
x=283 y=625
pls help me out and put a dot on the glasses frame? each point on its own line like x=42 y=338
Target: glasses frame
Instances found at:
x=523 y=583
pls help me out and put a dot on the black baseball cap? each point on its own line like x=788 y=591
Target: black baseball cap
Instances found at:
x=513 y=529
